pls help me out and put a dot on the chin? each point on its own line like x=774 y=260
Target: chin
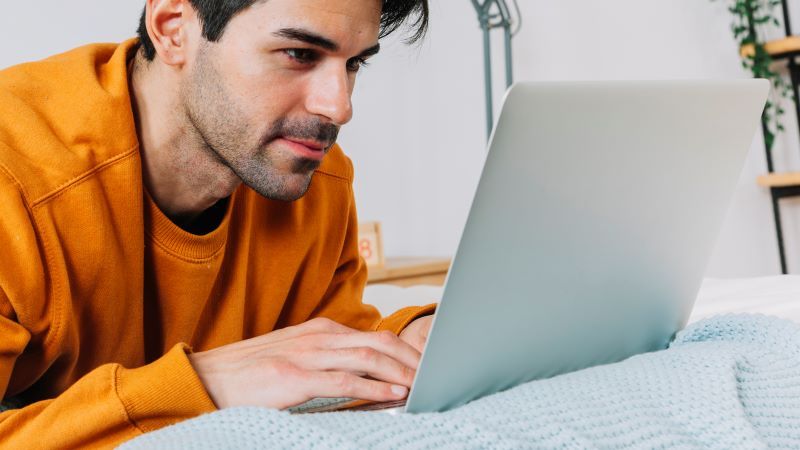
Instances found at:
x=288 y=189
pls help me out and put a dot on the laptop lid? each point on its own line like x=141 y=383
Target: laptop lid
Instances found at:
x=587 y=240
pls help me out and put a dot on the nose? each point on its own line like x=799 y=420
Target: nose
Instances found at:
x=329 y=94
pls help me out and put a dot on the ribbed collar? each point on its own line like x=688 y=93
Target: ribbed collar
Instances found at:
x=179 y=242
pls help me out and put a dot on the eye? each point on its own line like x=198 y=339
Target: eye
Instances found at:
x=354 y=64
x=302 y=55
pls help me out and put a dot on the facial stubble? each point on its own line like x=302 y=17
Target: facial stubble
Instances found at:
x=222 y=128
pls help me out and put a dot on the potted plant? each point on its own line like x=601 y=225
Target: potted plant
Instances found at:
x=751 y=21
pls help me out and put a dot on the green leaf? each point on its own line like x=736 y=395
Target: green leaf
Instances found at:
x=751 y=20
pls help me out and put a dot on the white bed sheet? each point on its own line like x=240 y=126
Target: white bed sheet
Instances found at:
x=775 y=296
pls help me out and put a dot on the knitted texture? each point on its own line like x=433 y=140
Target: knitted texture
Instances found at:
x=727 y=382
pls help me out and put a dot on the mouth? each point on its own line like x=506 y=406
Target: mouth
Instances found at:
x=304 y=148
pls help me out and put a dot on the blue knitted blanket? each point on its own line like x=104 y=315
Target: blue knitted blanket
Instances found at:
x=727 y=382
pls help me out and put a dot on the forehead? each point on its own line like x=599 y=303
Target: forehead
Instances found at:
x=347 y=18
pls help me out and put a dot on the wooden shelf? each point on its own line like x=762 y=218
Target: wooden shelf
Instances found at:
x=408 y=271
x=771 y=180
x=778 y=48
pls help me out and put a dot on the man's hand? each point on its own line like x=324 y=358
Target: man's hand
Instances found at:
x=416 y=333
x=319 y=358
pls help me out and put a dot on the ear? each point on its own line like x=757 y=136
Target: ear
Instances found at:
x=166 y=22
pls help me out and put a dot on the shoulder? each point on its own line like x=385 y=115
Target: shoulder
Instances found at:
x=337 y=165
x=62 y=117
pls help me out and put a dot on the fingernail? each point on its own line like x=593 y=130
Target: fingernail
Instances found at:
x=399 y=390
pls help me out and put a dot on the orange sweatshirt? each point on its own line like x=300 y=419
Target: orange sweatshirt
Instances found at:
x=101 y=295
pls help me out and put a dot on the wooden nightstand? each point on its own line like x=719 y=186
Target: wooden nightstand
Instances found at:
x=410 y=271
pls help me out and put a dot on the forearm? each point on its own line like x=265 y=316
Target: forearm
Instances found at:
x=110 y=405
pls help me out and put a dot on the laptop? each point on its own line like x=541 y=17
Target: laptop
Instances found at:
x=589 y=234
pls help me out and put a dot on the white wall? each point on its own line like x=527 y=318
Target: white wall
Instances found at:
x=418 y=136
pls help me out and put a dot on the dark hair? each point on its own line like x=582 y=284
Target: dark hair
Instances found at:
x=215 y=14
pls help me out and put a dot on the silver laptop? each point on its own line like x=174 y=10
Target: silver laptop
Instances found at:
x=590 y=231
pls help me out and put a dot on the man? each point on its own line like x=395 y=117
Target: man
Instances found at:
x=185 y=190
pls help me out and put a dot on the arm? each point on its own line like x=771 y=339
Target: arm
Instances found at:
x=104 y=407
x=345 y=350
x=109 y=405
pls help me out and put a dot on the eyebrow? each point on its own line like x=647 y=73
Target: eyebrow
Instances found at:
x=297 y=34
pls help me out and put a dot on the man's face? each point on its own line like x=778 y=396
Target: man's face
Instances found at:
x=268 y=98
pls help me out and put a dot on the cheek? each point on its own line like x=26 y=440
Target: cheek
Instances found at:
x=275 y=96
x=255 y=99
x=266 y=105
x=265 y=92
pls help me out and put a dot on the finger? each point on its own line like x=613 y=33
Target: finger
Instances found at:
x=343 y=384
x=359 y=361
x=383 y=341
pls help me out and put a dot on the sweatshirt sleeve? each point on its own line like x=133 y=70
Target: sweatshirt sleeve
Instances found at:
x=106 y=407
x=343 y=300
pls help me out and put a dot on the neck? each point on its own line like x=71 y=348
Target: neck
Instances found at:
x=182 y=175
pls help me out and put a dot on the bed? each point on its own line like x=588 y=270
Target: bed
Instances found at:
x=731 y=379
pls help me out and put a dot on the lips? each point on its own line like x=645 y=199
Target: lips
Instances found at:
x=308 y=149
x=313 y=145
